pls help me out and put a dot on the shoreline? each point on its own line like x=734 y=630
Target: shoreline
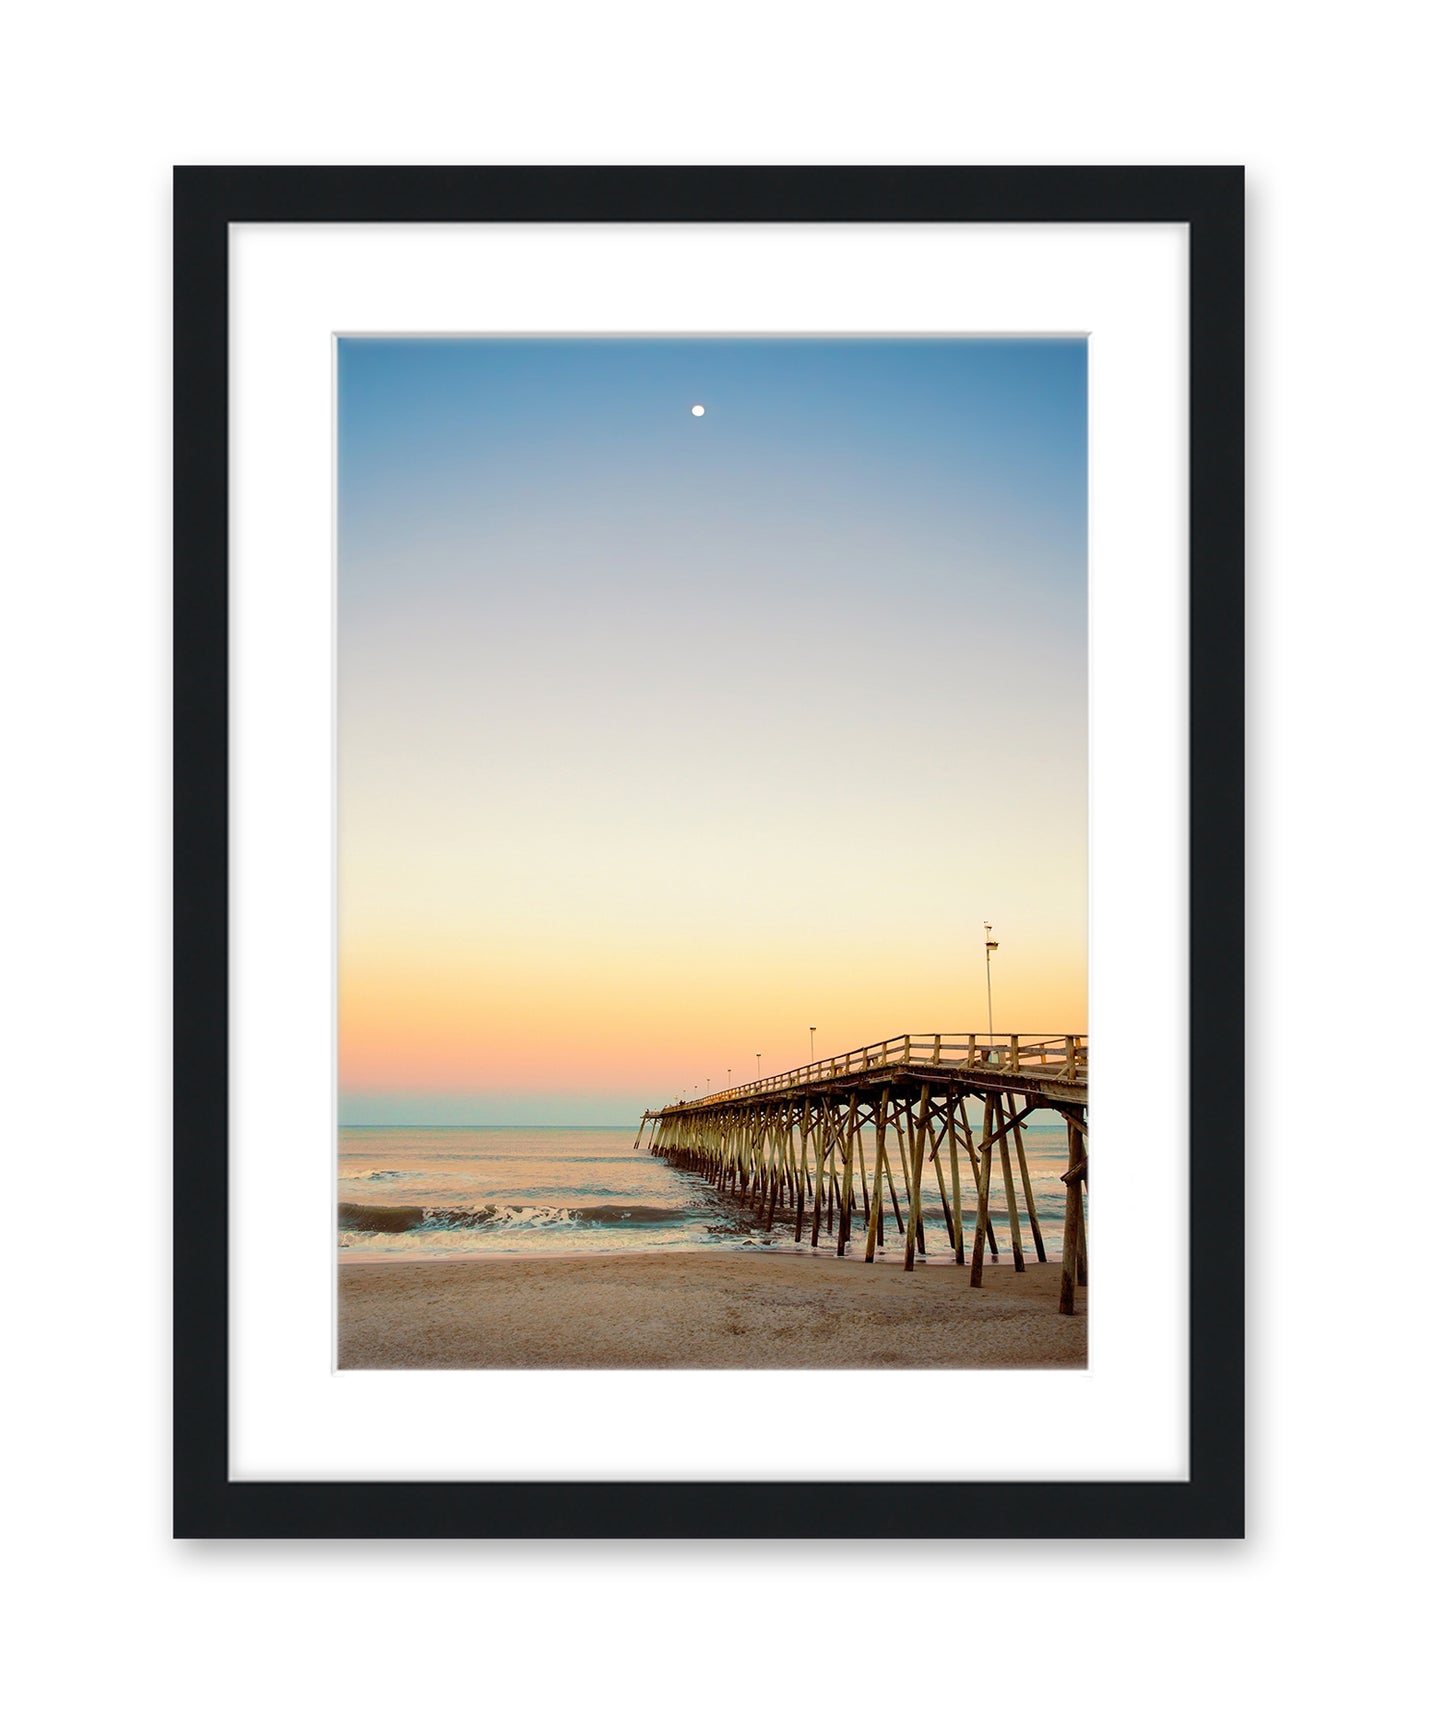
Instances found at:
x=703 y=1307
x=886 y=1257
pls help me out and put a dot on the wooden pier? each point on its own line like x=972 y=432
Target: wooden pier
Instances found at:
x=798 y=1144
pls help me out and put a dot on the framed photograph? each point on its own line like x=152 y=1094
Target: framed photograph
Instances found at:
x=709 y=711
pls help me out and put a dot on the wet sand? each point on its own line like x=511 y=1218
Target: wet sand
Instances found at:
x=702 y=1309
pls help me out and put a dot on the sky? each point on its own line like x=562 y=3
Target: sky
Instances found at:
x=662 y=737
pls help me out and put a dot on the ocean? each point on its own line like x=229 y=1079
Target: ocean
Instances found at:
x=428 y=1192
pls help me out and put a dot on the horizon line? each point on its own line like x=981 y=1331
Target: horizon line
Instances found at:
x=482 y=1126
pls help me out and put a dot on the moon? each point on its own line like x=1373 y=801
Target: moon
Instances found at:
x=697 y=409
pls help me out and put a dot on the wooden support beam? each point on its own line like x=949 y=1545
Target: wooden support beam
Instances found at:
x=1081 y=1261
x=892 y=1191
x=948 y=1217
x=880 y=1118
x=1073 y=1218
x=953 y=1107
x=981 y=1222
x=904 y=1125
x=1015 y=1239
x=821 y=1142
x=1038 y=1232
x=967 y=1131
x=803 y=1167
x=845 y=1203
x=863 y=1166
x=915 y=1187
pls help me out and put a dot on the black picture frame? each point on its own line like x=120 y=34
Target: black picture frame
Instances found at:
x=1210 y=200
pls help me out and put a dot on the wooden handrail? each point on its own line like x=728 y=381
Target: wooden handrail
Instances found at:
x=1063 y=1058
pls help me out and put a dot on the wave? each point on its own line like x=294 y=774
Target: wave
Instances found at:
x=422 y=1218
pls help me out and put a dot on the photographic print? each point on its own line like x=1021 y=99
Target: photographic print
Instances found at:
x=672 y=668
x=712 y=845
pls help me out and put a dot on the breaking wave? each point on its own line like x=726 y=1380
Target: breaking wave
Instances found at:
x=421 y=1218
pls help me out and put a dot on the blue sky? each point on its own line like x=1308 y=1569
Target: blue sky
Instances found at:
x=663 y=736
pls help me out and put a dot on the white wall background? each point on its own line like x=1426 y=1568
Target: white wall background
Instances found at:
x=1320 y=1618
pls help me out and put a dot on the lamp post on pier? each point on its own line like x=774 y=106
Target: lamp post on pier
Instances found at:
x=760 y=1068
x=812 y=1031
x=990 y=946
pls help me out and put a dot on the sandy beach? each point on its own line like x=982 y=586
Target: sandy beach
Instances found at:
x=702 y=1309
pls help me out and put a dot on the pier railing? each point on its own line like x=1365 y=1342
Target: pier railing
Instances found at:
x=1062 y=1059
